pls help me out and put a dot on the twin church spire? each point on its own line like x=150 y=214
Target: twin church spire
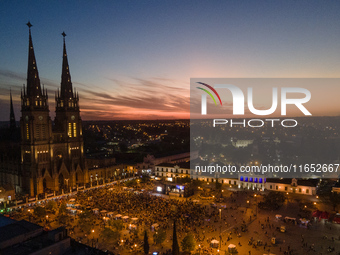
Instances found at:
x=66 y=99
x=33 y=96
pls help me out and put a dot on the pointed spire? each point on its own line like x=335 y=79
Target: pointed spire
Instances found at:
x=12 y=124
x=33 y=81
x=66 y=84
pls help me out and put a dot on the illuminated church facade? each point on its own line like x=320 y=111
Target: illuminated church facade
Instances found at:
x=51 y=156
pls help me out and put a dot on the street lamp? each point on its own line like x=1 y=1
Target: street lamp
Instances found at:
x=92 y=237
x=220 y=226
x=29 y=214
x=256 y=204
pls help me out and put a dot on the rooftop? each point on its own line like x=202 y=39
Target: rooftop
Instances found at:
x=17 y=228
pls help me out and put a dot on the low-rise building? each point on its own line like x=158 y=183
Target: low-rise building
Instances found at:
x=172 y=171
x=289 y=185
x=260 y=182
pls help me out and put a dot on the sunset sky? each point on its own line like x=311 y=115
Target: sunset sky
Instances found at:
x=134 y=59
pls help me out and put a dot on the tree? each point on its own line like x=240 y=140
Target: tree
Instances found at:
x=85 y=221
x=62 y=208
x=116 y=224
x=159 y=236
x=62 y=218
x=188 y=243
x=218 y=185
x=273 y=200
x=145 y=178
x=175 y=247
x=183 y=180
x=196 y=184
x=146 y=243
x=40 y=212
x=51 y=206
x=332 y=198
x=131 y=183
x=110 y=235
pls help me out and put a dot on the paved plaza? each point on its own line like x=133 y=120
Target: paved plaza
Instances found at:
x=236 y=220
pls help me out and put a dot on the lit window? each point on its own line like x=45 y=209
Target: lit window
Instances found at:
x=74 y=130
x=27 y=132
x=69 y=129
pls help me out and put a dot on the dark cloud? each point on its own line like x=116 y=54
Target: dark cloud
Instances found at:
x=13 y=75
x=143 y=94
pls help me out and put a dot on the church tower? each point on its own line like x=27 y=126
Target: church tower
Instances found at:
x=68 y=137
x=12 y=124
x=36 y=128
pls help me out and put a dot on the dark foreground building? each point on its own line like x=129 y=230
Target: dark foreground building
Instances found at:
x=25 y=238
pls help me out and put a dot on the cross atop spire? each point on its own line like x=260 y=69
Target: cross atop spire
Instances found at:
x=63 y=34
x=33 y=81
x=29 y=24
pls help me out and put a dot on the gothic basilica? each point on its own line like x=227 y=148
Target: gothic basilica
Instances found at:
x=51 y=157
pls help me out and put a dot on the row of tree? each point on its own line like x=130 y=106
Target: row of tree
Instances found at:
x=188 y=243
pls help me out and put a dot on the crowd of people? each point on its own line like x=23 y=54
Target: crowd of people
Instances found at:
x=214 y=226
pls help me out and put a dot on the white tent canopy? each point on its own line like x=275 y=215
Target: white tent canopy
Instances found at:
x=214 y=241
x=132 y=226
x=155 y=225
